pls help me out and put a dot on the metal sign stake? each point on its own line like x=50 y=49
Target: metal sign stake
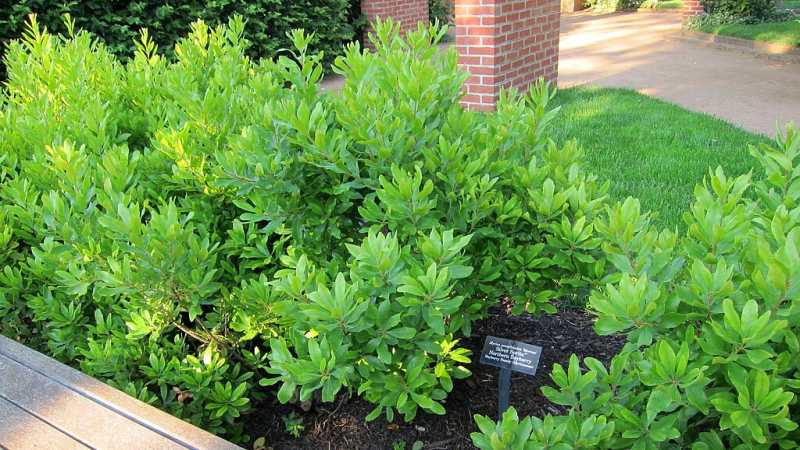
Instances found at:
x=503 y=391
x=508 y=356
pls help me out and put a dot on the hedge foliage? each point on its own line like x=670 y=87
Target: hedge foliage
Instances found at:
x=119 y=23
x=208 y=231
x=712 y=318
x=442 y=10
x=195 y=231
x=750 y=10
x=613 y=5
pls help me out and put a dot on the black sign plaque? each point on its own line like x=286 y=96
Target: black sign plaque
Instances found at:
x=508 y=354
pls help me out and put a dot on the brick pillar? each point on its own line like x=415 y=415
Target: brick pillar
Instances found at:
x=505 y=43
x=406 y=12
x=692 y=8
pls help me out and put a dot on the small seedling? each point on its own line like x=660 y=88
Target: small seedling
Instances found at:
x=401 y=445
x=293 y=424
x=261 y=444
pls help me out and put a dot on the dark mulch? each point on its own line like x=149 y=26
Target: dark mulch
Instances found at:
x=342 y=426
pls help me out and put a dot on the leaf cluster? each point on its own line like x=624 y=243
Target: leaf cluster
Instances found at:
x=711 y=319
x=196 y=230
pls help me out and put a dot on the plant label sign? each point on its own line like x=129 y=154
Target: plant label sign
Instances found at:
x=509 y=355
x=513 y=355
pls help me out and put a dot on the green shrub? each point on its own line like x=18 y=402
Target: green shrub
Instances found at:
x=711 y=318
x=698 y=22
x=118 y=23
x=193 y=230
x=441 y=10
x=708 y=22
x=613 y=5
x=748 y=10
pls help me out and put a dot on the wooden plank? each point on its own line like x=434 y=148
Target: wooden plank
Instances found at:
x=19 y=430
x=106 y=417
x=73 y=413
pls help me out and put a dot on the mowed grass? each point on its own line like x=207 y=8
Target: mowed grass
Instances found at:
x=669 y=4
x=787 y=33
x=650 y=149
x=661 y=4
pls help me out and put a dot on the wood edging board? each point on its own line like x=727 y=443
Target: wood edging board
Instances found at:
x=46 y=404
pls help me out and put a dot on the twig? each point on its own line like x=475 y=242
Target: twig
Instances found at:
x=330 y=414
x=208 y=340
x=442 y=444
x=191 y=333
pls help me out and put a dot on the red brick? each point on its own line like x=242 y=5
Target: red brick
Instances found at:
x=489 y=107
x=502 y=43
x=482 y=50
x=692 y=8
x=471 y=99
x=480 y=31
x=478 y=70
x=480 y=89
x=408 y=13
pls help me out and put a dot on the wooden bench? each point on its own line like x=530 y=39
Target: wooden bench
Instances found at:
x=47 y=405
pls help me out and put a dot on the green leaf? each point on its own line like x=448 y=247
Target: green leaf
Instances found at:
x=404 y=333
x=658 y=401
x=286 y=392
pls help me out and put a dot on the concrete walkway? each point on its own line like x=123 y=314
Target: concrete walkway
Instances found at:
x=640 y=51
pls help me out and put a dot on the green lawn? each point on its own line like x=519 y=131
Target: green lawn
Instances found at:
x=650 y=149
x=791 y=4
x=663 y=4
x=669 y=4
x=776 y=32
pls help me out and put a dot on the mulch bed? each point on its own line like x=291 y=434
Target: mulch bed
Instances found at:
x=342 y=425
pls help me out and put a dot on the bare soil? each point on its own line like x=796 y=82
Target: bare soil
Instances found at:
x=342 y=426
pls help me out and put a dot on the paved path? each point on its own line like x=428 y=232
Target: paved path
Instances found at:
x=639 y=51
